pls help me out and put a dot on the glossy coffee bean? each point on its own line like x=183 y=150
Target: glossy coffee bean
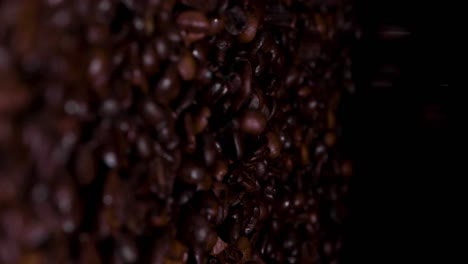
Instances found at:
x=236 y=20
x=253 y=122
x=176 y=131
x=191 y=172
x=274 y=144
x=187 y=67
x=250 y=30
x=193 y=21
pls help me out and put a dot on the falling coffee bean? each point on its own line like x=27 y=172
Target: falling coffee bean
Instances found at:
x=177 y=131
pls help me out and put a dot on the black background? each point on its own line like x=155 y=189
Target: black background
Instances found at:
x=398 y=135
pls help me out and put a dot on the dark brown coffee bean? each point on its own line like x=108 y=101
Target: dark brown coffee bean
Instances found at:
x=177 y=252
x=236 y=20
x=204 y=5
x=128 y=250
x=249 y=183
x=161 y=46
x=243 y=244
x=232 y=254
x=152 y=112
x=191 y=172
x=253 y=122
x=200 y=51
x=168 y=86
x=191 y=143
x=209 y=154
x=219 y=246
x=209 y=206
x=330 y=139
x=85 y=165
x=274 y=144
x=112 y=190
x=201 y=120
x=144 y=146
x=65 y=198
x=347 y=168
x=220 y=170
x=12 y=100
x=238 y=146
x=206 y=129
x=250 y=30
x=216 y=25
x=110 y=158
x=187 y=67
x=193 y=21
x=150 y=60
x=191 y=37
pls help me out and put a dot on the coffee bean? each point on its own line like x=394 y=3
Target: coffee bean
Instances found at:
x=150 y=60
x=85 y=165
x=248 y=34
x=168 y=87
x=253 y=122
x=176 y=131
x=220 y=170
x=187 y=67
x=201 y=120
x=274 y=144
x=216 y=26
x=219 y=246
x=206 y=6
x=192 y=172
x=236 y=20
x=193 y=21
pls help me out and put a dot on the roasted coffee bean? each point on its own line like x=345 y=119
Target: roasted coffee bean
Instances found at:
x=216 y=25
x=236 y=20
x=85 y=165
x=205 y=5
x=253 y=122
x=200 y=51
x=219 y=246
x=250 y=30
x=168 y=87
x=191 y=172
x=187 y=67
x=208 y=206
x=193 y=21
x=209 y=154
x=232 y=255
x=128 y=250
x=201 y=120
x=274 y=144
x=220 y=170
x=176 y=131
x=150 y=60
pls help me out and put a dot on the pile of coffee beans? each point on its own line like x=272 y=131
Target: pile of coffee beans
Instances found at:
x=164 y=131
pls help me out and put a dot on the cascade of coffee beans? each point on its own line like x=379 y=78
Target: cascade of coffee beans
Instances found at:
x=164 y=131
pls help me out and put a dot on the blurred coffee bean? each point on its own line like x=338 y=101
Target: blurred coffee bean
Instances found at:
x=13 y=99
x=176 y=131
x=250 y=30
x=150 y=60
x=168 y=86
x=253 y=122
x=85 y=165
x=187 y=67
x=191 y=172
x=220 y=170
x=193 y=21
x=236 y=20
x=274 y=144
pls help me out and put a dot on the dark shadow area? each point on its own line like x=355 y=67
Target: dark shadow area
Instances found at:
x=397 y=128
